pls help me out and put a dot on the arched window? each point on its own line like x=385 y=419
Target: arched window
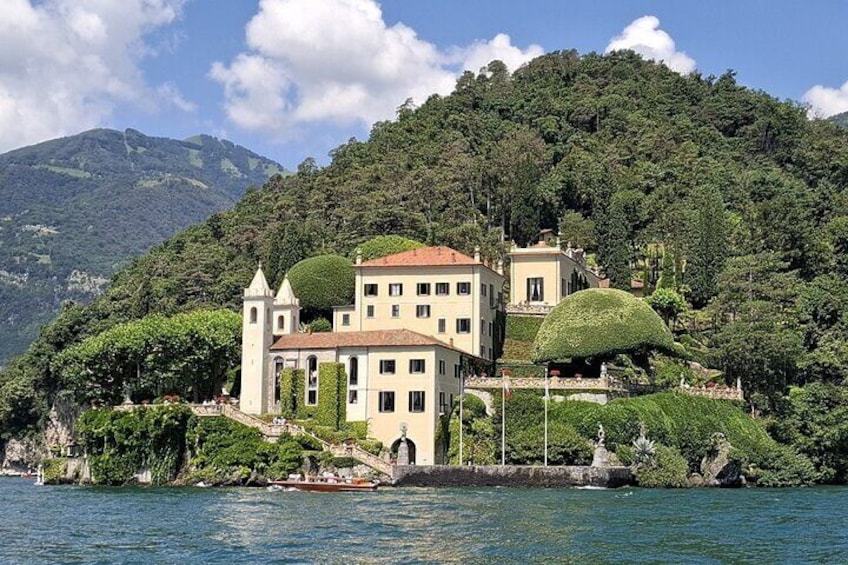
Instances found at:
x=281 y=322
x=253 y=314
x=279 y=365
x=354 y=372
x=311 y=380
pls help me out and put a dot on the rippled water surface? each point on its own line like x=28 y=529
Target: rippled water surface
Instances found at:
x=169 y=525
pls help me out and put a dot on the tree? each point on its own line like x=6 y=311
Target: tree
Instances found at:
x=613 y=248
x=188 y=354
x=599 y=322
x=708 y=247
x=384 y=245
x=763 y=349
x=668 y=303
x=323 y=282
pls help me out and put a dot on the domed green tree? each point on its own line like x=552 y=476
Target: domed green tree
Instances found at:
x=600 y=322
x=323 y=282
x=384 y=245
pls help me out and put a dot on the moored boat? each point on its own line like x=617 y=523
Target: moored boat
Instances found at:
x=326 y=484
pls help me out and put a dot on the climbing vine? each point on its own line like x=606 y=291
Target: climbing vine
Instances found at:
x=332 y=393
x=120 y=444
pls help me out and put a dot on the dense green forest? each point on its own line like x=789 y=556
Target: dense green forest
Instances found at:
x=73 y=211
x=698 y=186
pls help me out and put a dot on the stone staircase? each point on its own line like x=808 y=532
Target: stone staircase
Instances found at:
x=272 y=432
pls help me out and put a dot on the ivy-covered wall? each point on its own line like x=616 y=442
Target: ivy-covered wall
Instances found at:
x=119 y=444
x=332 y=395
x=291 y=393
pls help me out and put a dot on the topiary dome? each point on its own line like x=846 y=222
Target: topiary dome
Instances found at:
x=599 y=321
x=323 y=282
x=384 y=245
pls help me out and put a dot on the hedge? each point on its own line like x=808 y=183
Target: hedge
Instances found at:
x=291 y=392
x=523 y=328
x=332 y=393
x=384 y=245
x=673 y=419
x=600 y=321
x=323 y=282
x=515 y=350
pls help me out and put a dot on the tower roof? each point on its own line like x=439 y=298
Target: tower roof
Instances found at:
x=259 y=285
x=286 y=295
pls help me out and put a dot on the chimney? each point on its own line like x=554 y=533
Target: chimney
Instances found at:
x=451 y=342
x=358 y=256
x=500 y=267
x=477 y=254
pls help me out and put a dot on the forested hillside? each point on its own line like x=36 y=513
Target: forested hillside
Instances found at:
x=75 y=210
x=694 y=184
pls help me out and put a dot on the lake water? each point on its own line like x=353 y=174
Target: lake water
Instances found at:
x=191 y=525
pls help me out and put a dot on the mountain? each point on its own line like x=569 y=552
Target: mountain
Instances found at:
x=731 y=196
x=840 y=119
x=75 y=210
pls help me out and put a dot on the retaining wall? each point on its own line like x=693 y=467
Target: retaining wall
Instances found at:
x=510 y=476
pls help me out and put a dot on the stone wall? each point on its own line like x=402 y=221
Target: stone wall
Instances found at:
x=510 y=476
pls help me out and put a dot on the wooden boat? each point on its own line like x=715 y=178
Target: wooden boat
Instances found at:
x=327 y=484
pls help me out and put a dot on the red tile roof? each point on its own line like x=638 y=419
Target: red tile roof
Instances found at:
x=332 y=340
x=422 y=257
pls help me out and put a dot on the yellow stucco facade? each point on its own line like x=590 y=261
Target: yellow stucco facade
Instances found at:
x=542 y=275
x=416 y=320
x=456 y=304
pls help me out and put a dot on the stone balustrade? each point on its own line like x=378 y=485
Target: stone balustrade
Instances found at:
x=554 y=383
x=537 y=310
x=719 y=393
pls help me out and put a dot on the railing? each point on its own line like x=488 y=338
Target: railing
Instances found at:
x=719 y=393
x=554 y=383
x=274 y=431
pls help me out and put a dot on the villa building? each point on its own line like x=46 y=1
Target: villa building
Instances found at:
x=542 y=274
x=419 y=320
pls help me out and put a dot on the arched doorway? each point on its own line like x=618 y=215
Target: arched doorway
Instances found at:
x=410 y=445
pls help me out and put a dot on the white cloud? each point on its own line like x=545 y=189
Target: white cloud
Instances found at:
x=825 y=102
x=338 y=61
x=66 y=64
x=481 y=53
x=645 y=37
x=169 y=94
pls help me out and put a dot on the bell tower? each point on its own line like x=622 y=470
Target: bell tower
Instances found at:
x=256 y=339
x=286 y=310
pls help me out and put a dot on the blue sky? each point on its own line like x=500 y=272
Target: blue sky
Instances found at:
x=295 y=78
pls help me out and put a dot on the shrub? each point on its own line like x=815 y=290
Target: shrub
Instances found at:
x=372 y=446
x=384 y=245
x=565 y=445
x=600 y=322
x=320 y=325
x=344 y=462
x=323 y=282
x=55 y=470
x=523 y=328
x=668 y=470
x=668 y=371
x=668 y=303
x=226 y=451
x=515 y=350
x=357 y=430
